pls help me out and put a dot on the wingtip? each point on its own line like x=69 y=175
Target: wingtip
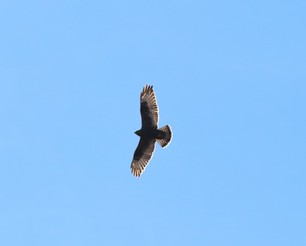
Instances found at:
x=136 y=173
x=147 y=89
x=147 y=86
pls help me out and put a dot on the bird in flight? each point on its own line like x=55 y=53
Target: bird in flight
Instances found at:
x=149 y=132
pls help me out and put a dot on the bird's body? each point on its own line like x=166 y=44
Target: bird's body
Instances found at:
x=149 y=132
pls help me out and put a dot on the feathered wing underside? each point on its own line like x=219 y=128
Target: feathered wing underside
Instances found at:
x=148 y=107
x=142 y=156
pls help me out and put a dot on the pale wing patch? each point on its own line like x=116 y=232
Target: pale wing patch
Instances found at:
x=147 y=95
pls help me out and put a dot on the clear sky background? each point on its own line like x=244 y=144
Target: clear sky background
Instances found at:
x=230 y=78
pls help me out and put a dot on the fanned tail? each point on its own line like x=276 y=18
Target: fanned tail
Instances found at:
x=167 y=139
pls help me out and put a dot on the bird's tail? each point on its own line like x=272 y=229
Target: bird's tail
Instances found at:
x=167 y=139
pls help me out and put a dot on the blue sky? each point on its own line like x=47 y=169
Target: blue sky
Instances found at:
x=229 y=78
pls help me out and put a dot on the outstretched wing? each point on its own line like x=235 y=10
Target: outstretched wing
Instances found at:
x=142 y=155
x=148 y=108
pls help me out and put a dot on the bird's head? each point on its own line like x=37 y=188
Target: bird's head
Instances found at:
x=138 y=132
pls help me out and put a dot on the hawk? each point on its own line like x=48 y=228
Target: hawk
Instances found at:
x=149 y=132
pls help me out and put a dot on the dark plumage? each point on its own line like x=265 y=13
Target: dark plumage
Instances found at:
x=149 y=132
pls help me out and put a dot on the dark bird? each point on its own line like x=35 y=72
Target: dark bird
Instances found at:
x=149 y=132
